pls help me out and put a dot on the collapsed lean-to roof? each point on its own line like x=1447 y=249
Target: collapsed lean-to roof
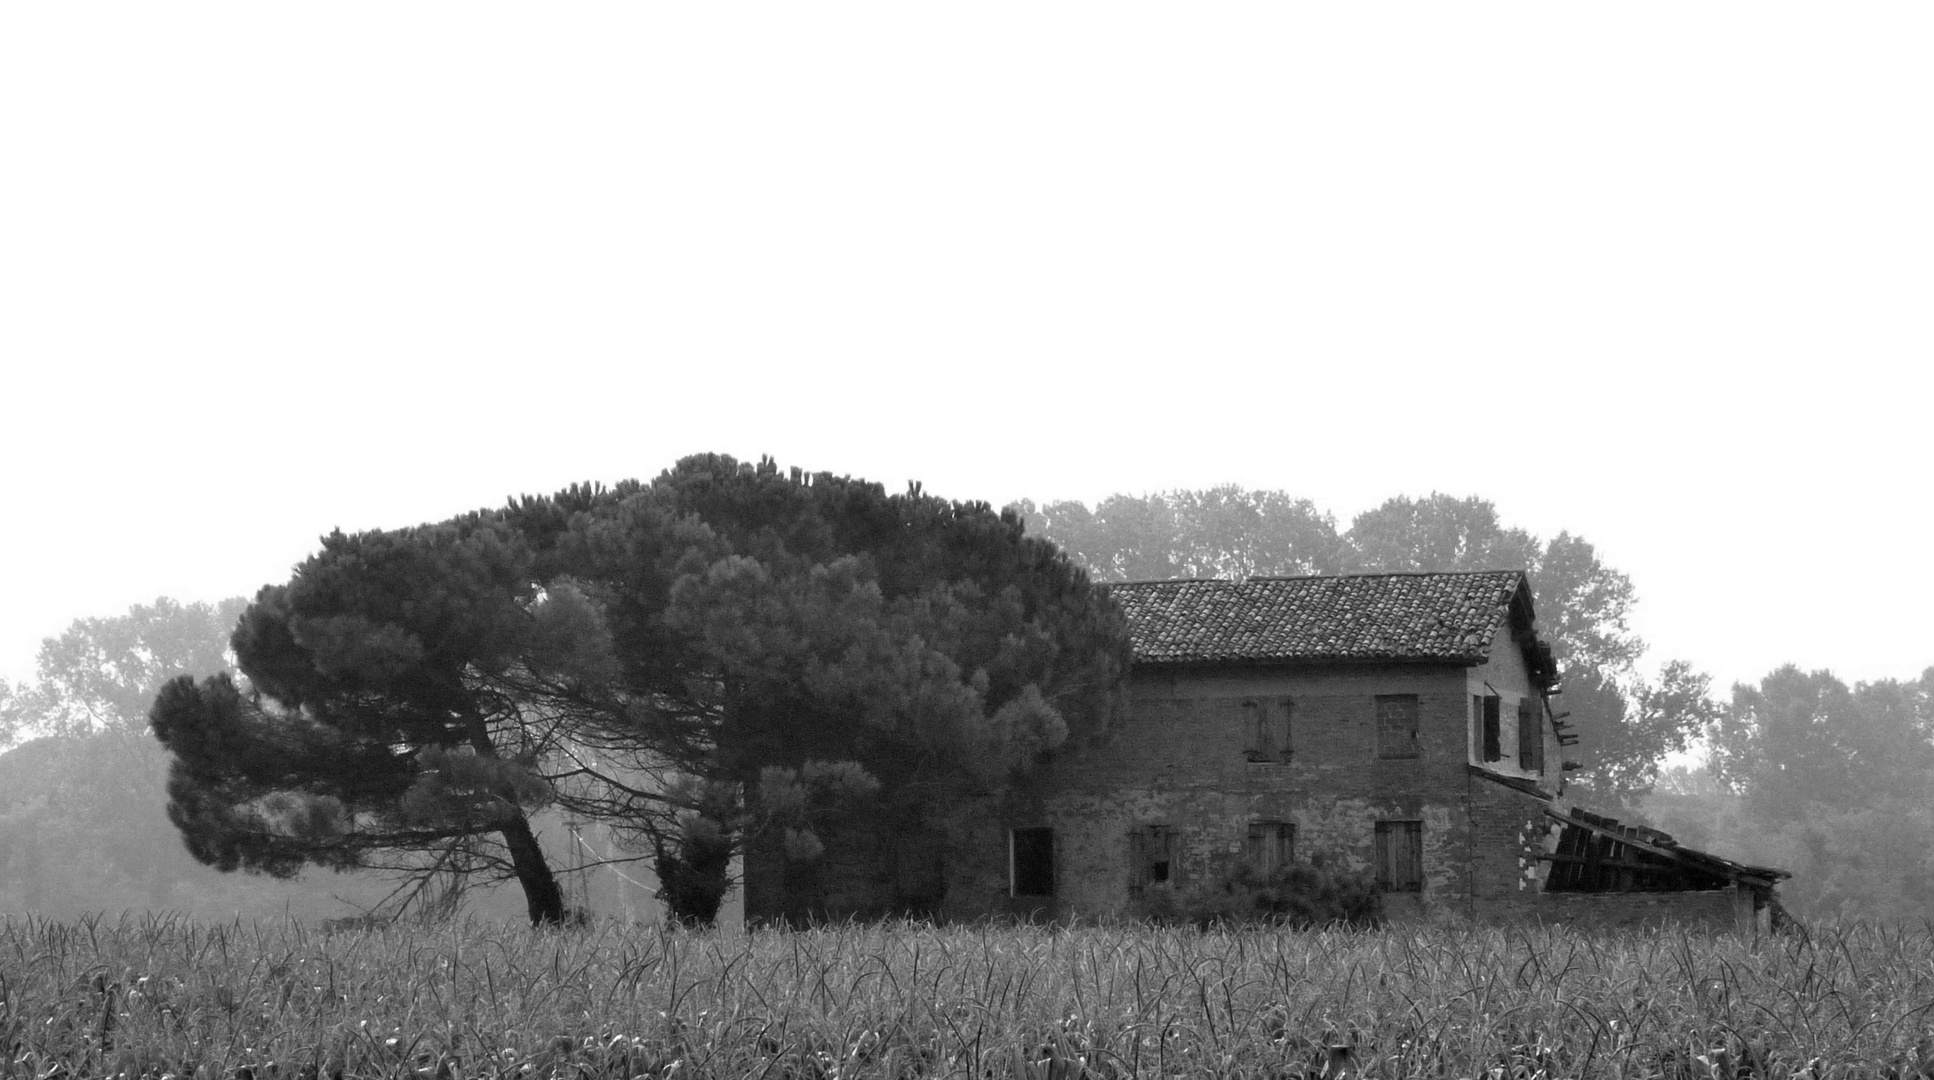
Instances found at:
x=1433 y=617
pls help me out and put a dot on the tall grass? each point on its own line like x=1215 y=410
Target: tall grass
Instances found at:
x=159 y=997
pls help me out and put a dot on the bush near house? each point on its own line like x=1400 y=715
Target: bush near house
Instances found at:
x=1300 y=895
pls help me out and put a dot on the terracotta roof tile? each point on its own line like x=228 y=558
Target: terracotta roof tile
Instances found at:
x=1448 y=616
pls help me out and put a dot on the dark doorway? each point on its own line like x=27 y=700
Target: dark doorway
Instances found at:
x=1031 y=862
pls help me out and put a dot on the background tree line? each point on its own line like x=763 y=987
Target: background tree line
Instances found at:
x=730 y=650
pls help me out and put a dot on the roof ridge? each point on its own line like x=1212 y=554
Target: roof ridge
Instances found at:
x=1318 y=577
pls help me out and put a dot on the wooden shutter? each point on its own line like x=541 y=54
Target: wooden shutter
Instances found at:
x=1255 y=728
x=1527 y=734
x=1386 y=876
x=1410 y=856
x=1537 y=737
x=1271 y=846
x=1493 y=738
x=1137 y=862
x=1400 y=855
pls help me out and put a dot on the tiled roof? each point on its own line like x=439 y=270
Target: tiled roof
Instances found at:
x=1451 y=617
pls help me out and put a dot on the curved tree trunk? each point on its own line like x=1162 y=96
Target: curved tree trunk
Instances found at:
x=542 y=895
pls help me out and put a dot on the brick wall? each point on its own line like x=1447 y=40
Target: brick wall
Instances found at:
x=1179 y=760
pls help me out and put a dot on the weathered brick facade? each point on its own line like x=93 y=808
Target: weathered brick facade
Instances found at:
x=1182 y=763
x=1397 y=726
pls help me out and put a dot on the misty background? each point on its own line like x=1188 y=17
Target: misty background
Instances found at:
x=1653 y=278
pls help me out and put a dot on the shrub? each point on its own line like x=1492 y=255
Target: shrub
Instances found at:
x=1300 y=895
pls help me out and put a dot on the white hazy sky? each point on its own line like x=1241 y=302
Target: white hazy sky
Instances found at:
x=1659 y=274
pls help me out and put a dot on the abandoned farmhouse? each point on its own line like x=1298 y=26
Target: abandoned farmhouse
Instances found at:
x=1397 y=725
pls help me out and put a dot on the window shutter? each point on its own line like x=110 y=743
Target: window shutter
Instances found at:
x=1411 y=865
x=1537 y=737
x=1493 y=739
x=1255 y=727
x=1137 y=862
x=1527 y=734
x=1172 y=846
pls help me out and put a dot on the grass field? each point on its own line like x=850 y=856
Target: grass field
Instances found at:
x=156 y=997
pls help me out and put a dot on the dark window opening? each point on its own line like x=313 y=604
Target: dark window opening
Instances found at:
x=1272 y=846
x=1154 y=858
x=1400 y=856
x=1485 y=706
x=1031 y=862
x=1397 y=726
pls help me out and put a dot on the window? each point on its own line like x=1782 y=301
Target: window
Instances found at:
x=1400 y=856
x=1030 y=862
x=1531 y=741
x=1266 y=728
x=1154 y=858
x=1485 y=708
x=1397 y=726
x=1272 y=846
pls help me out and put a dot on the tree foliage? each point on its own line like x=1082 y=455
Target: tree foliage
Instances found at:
x=102 y=672
x=1223 y=532
x=1800 y=742
x=646 y=655
x=901 y=649
x=1831 y=782
x=409 y=697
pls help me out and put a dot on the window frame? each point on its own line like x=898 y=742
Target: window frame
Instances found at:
x=1414 y=745
x=1488 y=710
x=1270 y=846
x=1266 y=727
x=1043 y=836
x=1150 y=847
x=1399 y=870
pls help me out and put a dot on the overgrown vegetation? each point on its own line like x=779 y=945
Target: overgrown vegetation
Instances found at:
x=161 y=997
x=1301 y=895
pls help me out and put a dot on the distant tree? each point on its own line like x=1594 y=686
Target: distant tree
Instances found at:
x=1220 y=532
x=81 y=795
x=13 y=712
x=1628 y=733
x=1435 y=534
x=102 y=673
x=1800 y=741
x=1831 y=782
